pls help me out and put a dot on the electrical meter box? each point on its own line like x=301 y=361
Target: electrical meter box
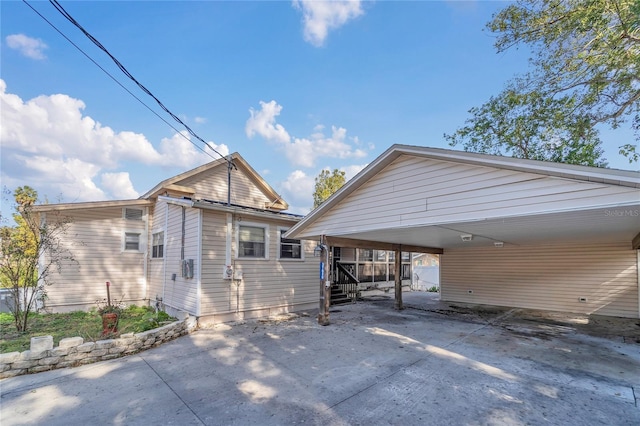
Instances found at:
x=187 y=268
x=227 y=273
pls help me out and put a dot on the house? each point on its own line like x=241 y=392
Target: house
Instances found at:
x=208 y=242
x=509 y=231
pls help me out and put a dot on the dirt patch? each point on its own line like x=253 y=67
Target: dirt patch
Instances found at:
x=545 y=324
x=527 y=323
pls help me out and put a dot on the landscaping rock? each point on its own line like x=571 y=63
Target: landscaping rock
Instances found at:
x=73 y=351
x=42 y=343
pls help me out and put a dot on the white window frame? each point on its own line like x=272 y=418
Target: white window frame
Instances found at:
x=153 y=234
x=288 y=259
x=266 y=240
x=141 y=245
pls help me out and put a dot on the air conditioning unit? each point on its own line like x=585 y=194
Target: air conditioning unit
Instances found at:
x=227 y=273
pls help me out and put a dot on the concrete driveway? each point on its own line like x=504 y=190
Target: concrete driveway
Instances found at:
x=372 y=366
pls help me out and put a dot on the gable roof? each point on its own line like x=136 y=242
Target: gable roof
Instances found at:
x=329 y=217
x=170 y=184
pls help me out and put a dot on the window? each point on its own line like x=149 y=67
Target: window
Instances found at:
x=131 y=241
x=365 y=255
x=252 y=241
x=289 y=248
x=157 y=245
x=133 y=214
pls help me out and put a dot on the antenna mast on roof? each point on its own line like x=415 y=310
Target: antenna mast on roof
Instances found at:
x=230 y=165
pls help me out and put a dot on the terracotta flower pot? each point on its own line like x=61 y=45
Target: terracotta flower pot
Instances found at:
x=109 y=323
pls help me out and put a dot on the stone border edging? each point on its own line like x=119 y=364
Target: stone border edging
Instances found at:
x=73 y=351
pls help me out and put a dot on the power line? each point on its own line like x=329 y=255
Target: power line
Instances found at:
x=126 y=72
x=70 y=18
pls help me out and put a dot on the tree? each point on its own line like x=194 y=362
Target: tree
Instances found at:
x=326 y=184
x=30 y=252
x=585 y=72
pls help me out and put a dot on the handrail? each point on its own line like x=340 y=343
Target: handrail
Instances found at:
x=350 y=276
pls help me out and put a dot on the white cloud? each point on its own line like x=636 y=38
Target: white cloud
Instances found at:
x=178 y=151
x=30 y=47
x=321 y=16
x=301 y=152
x=119 y=185
x=298 y=189
x=351 y=171
x=69 y=179
x=49 y=144
x=200 y=120
x=263 y=123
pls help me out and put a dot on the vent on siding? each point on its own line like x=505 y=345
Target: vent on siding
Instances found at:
x=133 y=214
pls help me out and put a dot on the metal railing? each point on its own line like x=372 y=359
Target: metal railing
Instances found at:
x=346 y=280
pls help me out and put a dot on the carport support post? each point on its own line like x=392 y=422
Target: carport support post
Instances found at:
x=398 y=282
x=325 y=284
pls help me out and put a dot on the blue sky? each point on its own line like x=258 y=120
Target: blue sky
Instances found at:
x=294 y=87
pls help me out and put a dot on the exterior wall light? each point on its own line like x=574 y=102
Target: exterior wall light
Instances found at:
x=317 y=252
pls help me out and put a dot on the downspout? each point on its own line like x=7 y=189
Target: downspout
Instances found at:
x=638 y=276
x=184 y=231
x=199 y=265
x=227 y=252
x=145 y=287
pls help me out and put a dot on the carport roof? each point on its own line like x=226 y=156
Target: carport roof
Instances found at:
x=595 y=220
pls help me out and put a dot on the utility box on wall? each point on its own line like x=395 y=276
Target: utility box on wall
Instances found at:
x=237 y=274
x=187 y=268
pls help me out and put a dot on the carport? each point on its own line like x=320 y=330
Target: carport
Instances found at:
x=511 y=232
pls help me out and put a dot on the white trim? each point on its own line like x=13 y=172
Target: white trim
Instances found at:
x=164 y=238
x=141 y=242
x=164 y=259
x=638 y=273
x=176 y=201
x=198 y=270
x=41 y=257
x=279 y=243
x=145 y=284
x=267 y=239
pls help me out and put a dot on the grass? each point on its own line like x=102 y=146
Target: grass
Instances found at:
x=87 y=325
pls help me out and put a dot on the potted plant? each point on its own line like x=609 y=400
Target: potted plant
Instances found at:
x=110 y=313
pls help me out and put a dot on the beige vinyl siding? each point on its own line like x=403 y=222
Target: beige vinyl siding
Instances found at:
x=266 y=284
x=212 y=185
x=181 y=293
x=95 y=238
x=215 y=292
x=549 y=277
x=427 y=191
x=155 y=269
